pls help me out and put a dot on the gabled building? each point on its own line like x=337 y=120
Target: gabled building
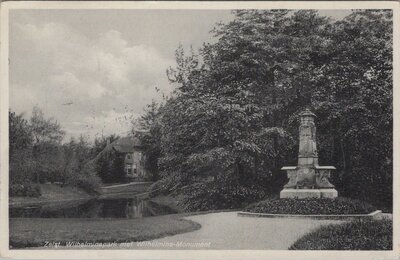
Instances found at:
x=134 y=158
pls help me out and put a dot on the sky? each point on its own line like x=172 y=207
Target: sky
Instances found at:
x=94 y=71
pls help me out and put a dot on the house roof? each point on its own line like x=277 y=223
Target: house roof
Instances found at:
x=121 y=145
x=126 y=144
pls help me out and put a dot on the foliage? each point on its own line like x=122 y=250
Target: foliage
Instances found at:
x=353 y=99
x=25 y=190
x=76 y=169
x=354 y=235
x=151 y=138
x=20 y=134
x=110 y=167
x=235 y=106
x=46 y=146
x=225 y=192
x=337 y=206
x=37 y=155
x=86 y=179
x=100 y=144
x=20 y=151
x=108 y=164
x=45 y=130
x=21 y=166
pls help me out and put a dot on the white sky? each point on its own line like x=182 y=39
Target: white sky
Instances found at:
x=107 y=63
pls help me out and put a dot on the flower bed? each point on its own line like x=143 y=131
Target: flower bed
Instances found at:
x=337 y=206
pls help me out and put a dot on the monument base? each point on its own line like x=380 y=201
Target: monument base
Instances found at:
x=328 y=193
x=308 y=193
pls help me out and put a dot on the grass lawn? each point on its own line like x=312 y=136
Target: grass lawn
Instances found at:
x=27 y=232
x=354 y=235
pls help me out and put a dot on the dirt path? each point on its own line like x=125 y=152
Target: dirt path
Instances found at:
x=226 y=230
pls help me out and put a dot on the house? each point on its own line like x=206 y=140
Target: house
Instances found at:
x=134 y=158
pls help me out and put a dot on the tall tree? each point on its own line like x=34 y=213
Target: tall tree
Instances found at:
x=20 y=134
x=353 y=97
x=20 y=143
x=47 y=136
x=226 y=116
x=150 y=136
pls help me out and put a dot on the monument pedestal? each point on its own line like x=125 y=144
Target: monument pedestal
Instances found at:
x=308 y=193
x=328 y=193
x=300 y=194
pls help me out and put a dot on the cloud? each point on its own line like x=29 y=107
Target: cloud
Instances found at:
x=110 y=122
x=103 y=77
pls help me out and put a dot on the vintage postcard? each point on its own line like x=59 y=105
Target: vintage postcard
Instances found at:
x=195 y=130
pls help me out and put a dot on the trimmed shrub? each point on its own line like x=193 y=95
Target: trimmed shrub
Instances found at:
x=354 y=235
x=324 y=206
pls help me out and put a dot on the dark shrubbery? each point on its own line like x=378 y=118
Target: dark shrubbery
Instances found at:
x=223 y=191
x=110 y=167
x=25 y=190
x=355 y=235
x=336 y=206
x=86 y=179
x=217 y=195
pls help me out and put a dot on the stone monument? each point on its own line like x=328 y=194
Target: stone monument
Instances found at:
x=308 y=179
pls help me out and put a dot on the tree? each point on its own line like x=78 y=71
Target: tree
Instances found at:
x=76 y=155
x=150 y=137
x=20 y=143
x=226 y=116
x=36 y=154
x=20 y=135
x=353 y=97
x=100 y=144
x=108 y=164
x=47 y=136
x=77 y=171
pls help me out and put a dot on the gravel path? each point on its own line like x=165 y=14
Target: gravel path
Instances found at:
x=226 y=230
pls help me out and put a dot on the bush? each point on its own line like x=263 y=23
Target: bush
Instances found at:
x=110 y=167
x=87 y=179
x=33 y=190
x=311 y=206
x=25 y=190
x=215 y=195
x=89 y=183
x=355 y=235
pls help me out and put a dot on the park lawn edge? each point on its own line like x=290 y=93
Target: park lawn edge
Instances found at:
x=193 y=226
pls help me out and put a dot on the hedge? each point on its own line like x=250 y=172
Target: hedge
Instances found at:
x=337 y=206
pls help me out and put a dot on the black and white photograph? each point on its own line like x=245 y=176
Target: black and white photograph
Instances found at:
x=154 y=127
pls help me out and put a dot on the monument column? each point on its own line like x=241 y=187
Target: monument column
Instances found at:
x=308 y=154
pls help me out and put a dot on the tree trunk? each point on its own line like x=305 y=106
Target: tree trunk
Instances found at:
x=343 y=154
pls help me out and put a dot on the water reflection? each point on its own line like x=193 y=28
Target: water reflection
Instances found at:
x=105 y=208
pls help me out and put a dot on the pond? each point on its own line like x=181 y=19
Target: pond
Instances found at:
x=97 y=208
